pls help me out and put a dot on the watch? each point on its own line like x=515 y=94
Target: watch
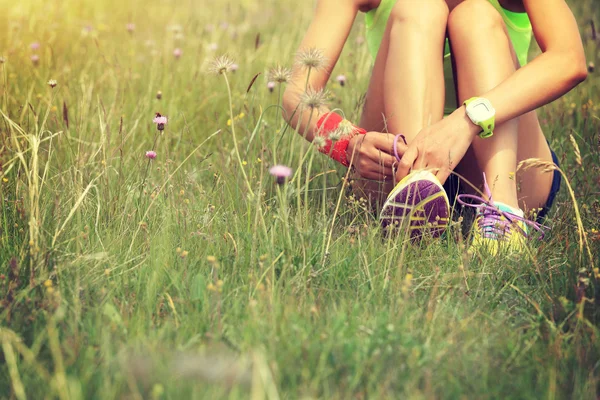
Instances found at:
x=481 y=112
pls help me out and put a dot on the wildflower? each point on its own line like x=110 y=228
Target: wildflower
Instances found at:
x=341 y=79
x=130 y=27
x=314 y=99
x=160 y=121
x=335 y=135
x=213 y=47
x=220 y=65
x=48 y=283
x=345 y=128
x=271 y=86
x=177 y=52
x=35 y=59
x=281 y=173
x=211 y=259
x=179 y=36
x=280 y=74
x=2 y=60
x=234 y=67
x=159 y=95
x=224 y=25
x=34 y=46
x=184 y=254
x=319 y=142
x=52 y=83
x=312 y=58
x=151 y=154
x=591 y=67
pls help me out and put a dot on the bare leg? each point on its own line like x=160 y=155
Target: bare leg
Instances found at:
x=406 y=91
x=484 y=58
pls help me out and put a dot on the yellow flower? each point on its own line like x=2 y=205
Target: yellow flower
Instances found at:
x=211 y=287
x=178 y=250
x=258 y=160
x=48 y=283
x=184 y=253
x=4 y=179
x=229 y=122
x=241 y=115
x=211 y=259
x=244 y=162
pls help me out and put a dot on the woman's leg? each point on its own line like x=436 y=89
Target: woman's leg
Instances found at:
x=484 y=58
x=406 y=91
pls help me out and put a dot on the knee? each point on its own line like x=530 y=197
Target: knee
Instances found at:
x=422 y=14
x=474 y=17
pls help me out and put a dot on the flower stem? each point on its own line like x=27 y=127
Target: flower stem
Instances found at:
x=235 y=145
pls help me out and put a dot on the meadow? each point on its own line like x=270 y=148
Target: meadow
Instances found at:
x=194 y=275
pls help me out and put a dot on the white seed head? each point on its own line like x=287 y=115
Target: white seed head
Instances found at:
x=220 y=65
x=52 y=83
x=311 y=58
x=319 y=142
x=280 y=74
x=314 y=99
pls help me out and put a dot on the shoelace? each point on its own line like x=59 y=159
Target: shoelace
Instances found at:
x=494 y=222
x=396 y=145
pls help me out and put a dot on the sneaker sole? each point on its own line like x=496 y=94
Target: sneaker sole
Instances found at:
x=421 y=198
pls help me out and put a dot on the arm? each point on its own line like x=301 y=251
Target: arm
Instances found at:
x=328 y=32
x=559 y=69
x=555 y=72
x=371 y=153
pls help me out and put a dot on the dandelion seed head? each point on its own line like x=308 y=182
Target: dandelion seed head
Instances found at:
x=319 y=142
x=52 y=83
x=2 y=60
x=280 y=74
x=220 y=65
x=314 y=99
x=213 y=47
x=311 y=58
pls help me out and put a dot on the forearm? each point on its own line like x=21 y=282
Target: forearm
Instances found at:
x=546 y=78
x=327 y=34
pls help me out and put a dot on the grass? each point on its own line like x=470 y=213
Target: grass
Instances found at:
x=184 y=277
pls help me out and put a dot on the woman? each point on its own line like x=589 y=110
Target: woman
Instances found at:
x=487 y=137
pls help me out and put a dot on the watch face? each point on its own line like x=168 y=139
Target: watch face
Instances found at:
x=481 y=110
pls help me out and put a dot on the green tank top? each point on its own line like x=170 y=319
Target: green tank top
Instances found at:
x=518 y=25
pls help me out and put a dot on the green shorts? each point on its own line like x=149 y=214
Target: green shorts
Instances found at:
x=519 y=29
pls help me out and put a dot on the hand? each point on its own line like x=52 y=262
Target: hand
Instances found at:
x=372 y=156
x=439 y=147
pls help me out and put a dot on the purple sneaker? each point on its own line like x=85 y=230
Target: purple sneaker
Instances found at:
x=418 y=203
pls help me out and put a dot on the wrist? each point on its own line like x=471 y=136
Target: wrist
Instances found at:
x=469 y=126
x=337 y=133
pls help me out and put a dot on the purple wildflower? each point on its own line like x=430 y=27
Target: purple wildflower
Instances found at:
x=281 y=173
x=130 y=27
x=177 y=52
x=271 y=86
x=34 y=46
x=341 y=79
x=234 y=67
x=151 y=154
x=35 y=59
x=160 y=121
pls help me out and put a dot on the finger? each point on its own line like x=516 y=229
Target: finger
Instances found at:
x=378 y=175
x=380 y=158
x=407 y=162
x=383 y=142
x=443 y=174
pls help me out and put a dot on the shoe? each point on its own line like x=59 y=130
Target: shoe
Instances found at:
x=418 y=203
x=498 y=228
